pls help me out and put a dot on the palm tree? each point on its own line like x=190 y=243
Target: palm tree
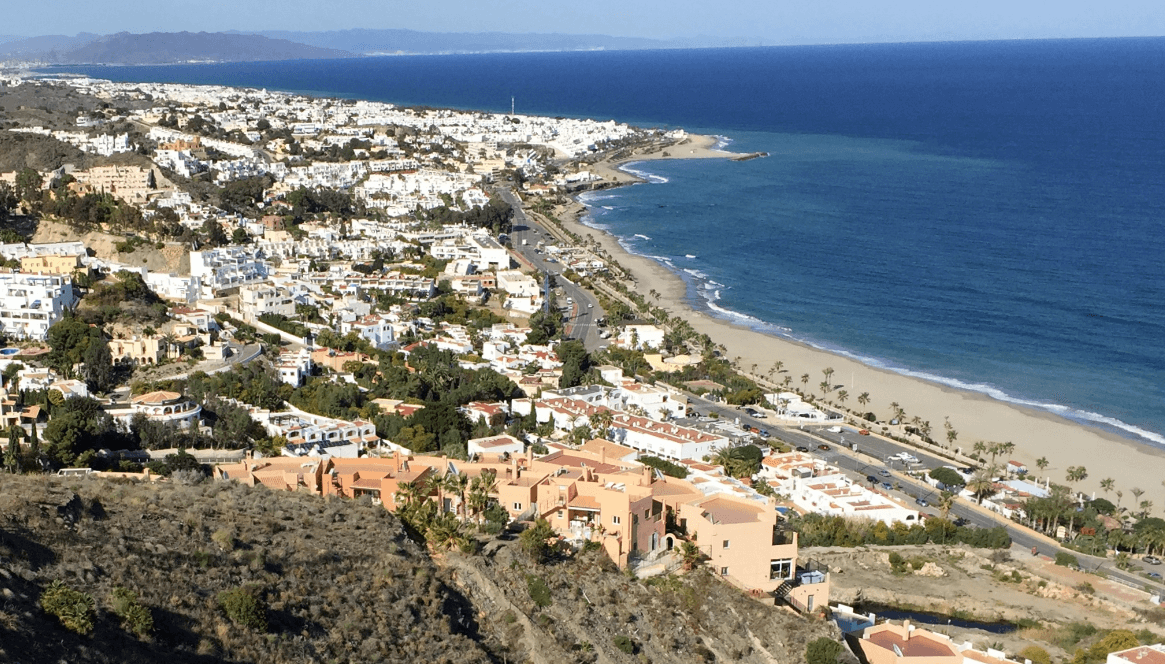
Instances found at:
x=842 y=395
x=777 y=366
x=982 y=483
x=1042 y=463
x=805 y=379
x=691 y=556
x=481 y=491
x=946 y=501
x=864 y=399
x=1106 y=484
x=828 y=371
x=824 y=385
x=601 y=422
x=458 y=484
x=788 y=380
x=979 y=448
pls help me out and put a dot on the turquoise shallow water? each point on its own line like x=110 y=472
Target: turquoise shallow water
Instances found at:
x=988 y=215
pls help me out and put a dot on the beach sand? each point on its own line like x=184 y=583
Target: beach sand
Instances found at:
x=974 y=416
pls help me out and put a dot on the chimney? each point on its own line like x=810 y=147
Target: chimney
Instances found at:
x=529 y=456
x=603 y=454
x=514 y=467
x=647 y=474
x=396 y=457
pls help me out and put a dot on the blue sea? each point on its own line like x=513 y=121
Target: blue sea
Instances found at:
x=989 y=215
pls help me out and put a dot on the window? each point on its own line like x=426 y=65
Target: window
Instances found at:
x=615 y=520
x=726 y=543
x=518 y=506
x=723 y=571
x=781 y=569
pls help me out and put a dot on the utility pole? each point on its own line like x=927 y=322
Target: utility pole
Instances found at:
x=511 y=105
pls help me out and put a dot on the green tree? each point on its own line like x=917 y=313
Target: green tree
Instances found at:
x=98 y=366
x=240 y=236
x=947 y=476
x=215 y=235
x=535 y=540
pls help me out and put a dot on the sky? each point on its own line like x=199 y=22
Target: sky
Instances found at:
x=735 y=21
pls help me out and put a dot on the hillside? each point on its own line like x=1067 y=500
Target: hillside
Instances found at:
x=172 y=47
x=412 y=41
x=342 y=582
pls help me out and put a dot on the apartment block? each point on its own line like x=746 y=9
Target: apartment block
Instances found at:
x=32 y=303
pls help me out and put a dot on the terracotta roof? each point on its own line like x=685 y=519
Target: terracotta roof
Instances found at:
x=917 y=645
x=158 y=397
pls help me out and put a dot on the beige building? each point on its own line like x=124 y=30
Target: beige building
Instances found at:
x=132 y=184
x=137 y=350
x=50 y=264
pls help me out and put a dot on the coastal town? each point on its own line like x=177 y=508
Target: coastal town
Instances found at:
x=357 y=301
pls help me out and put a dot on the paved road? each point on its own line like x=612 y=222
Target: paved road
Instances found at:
x=584 y=310
x=869 y=459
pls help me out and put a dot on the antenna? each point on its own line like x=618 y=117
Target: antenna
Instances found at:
x=511 y=105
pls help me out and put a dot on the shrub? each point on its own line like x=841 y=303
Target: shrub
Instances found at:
x=539 y=591
x=1086 y=588
x=624 y=643
x=822 y=650
x=1064 y=559
x=135 y=617
x=72 y=607
x=1036 y=654
x=244 y=607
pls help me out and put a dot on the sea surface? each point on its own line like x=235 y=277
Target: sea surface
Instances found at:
x=988 y=215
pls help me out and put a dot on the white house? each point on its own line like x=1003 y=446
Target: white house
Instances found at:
x=32 y=303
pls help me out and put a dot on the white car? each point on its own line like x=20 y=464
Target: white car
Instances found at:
x=834 y=429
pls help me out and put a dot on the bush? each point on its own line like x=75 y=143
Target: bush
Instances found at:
x=666 y=467
x=244 y=607
x=624 y=643
x=72 y=607
x=539 y=591
x=1064 y=559
x=1036 y=654
x=135 y=617
x=822 y=650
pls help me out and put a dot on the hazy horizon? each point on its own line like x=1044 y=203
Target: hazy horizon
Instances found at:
x=744 y=22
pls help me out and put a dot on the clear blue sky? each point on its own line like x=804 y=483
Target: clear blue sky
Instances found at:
x=770 y=21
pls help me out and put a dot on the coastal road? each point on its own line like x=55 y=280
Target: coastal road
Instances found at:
x=869 y=459
x=584 y=310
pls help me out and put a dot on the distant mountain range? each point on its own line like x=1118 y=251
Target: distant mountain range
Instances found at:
x=234 y=46
x=163 y=48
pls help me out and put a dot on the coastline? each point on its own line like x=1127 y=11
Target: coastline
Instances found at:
x=975 y=416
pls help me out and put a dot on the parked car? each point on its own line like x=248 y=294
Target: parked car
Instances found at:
x=871 y=479
x=1152 y=560
x=823 y=447
x=886 y=486
x=834 y=429
x=864 y=432
x=921 y=501
x=802 y=448
x=884 y=473
x=764 y=432
x=1154 y=575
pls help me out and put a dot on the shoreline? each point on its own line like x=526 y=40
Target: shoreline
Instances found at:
x=975 y=416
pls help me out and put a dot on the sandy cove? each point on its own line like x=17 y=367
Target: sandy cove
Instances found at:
x=974 y=416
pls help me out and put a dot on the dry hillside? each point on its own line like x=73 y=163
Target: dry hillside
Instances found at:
x=342 y=583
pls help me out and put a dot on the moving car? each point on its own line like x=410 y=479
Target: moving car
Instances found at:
x=802 y=448
x=884 y=473
x=886 y=486
x=834 y=429
x=1152 y=560
x=921 y=501
x=823 y=446
x=864 y=432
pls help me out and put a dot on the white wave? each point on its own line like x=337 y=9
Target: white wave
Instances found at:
x=641 y=235
x=696 y=273
x=721 y=142
x=607 y=207
x=650 y=177
x=689 y=256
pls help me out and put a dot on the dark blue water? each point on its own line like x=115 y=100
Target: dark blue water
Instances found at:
x=985 y=214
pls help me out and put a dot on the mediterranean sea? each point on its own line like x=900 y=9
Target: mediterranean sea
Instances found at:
x=988 y=215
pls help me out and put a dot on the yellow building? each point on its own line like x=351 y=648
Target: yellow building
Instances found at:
x=50 y=264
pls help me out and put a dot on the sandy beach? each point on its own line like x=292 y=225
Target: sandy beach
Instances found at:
x=974 y=416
